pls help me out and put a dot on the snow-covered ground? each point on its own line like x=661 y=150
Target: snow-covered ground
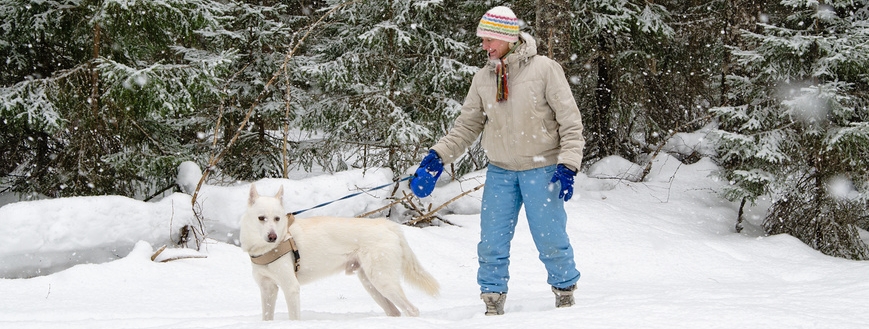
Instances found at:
x=655 y=254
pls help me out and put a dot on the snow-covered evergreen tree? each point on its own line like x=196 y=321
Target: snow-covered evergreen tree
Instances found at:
x=626 y=49
x=798 y=131
x=108 y=97
x=388 y=76
x=262 y=34
x=93 y=92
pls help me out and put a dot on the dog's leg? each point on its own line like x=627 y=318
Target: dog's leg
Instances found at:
x=290 y=286
x=268 y=295
x=393 y=292
x=384 y=276
x=384 y=303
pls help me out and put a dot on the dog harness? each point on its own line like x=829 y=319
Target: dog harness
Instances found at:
x=282 y=249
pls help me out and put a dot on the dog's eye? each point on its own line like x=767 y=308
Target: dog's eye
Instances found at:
x=277 y=219
x=262 y=218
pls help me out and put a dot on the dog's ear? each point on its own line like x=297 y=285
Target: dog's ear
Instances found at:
x=280 y=195
x=253 y=195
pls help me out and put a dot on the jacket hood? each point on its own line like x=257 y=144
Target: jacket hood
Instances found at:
x=527 y=48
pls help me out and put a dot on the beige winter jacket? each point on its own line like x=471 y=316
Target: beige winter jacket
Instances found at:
x=538 y=125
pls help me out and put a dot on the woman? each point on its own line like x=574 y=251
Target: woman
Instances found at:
x=531 y=130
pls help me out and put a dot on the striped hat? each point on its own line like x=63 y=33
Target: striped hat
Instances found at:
x=499 y=23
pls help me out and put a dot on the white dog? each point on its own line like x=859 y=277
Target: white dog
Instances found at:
x=373 y=248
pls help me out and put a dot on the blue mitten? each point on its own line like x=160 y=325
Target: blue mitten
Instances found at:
x=564 y=176
x=423 y=181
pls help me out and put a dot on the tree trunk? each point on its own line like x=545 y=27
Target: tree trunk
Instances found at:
x=553 y=29
x=606 y=142
x=95 y=75
x=740 y=216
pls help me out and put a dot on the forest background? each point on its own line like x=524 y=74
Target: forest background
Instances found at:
x=108 y=97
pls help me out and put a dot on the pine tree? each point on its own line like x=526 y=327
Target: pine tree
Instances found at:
x=263 y=34
x=94 y=93
x=113 y=105
x=388 y=77
x=798 y=130
x=625 y=51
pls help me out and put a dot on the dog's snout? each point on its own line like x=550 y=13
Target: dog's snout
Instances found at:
x=272 y=237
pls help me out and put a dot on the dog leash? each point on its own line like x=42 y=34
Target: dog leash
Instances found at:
x=351 y=195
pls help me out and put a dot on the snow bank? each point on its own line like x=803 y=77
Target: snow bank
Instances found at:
x=45 y=236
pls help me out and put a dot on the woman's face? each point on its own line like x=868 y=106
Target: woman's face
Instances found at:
x=495 y=48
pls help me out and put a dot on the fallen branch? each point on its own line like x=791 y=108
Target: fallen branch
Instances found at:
x=176 y=254
x=648 y=167
x=406 y=196
x=428 y=216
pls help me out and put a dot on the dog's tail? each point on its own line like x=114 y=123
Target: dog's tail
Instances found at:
x=413 y=271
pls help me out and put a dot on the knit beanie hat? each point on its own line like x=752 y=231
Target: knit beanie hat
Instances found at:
x=499 y=23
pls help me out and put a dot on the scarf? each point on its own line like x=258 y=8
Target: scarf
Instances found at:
x=501 y=81
x=501 y=75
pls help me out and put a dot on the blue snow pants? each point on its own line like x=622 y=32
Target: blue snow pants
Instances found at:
x=505 y=193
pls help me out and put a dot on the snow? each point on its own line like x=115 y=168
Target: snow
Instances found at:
x=615 y=167
x=655 y=254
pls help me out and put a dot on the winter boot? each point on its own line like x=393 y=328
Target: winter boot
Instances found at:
x=564 y=297
x=494 y=302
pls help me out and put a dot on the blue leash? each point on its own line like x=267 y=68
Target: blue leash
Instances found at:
x=352 y=195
